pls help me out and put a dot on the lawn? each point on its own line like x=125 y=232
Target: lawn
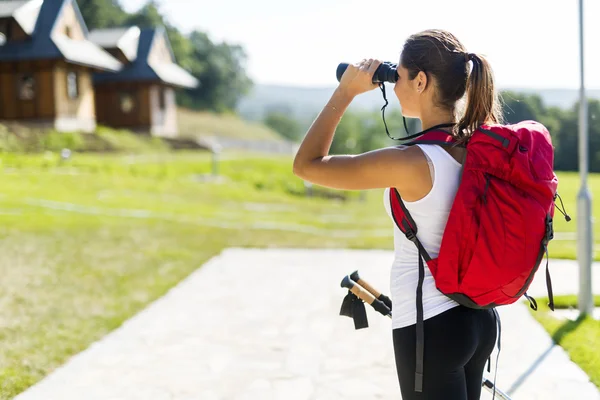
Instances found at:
x=564 y=245
x=579 y=338
x=85 y=244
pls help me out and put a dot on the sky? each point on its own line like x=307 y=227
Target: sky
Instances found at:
x=530 y=43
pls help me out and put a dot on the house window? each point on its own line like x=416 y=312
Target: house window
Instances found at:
x=72 y=85
x=26 y=89
x=126 y=101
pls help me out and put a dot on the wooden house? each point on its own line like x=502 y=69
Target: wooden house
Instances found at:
x=141 y=96
x=47 y=63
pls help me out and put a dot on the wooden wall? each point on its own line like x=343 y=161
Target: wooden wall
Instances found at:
x=50 y=102
x=80 y=107
x=109 y=105
x=146 y=114
x=41 y=106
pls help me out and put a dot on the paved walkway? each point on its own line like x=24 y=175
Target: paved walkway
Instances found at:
x=264 y=325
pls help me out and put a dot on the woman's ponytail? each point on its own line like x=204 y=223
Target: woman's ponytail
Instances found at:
x=482 y=103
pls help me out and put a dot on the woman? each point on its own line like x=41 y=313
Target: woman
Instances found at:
x=433 y=75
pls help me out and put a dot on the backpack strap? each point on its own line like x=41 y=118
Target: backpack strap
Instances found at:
x=544 y=250
x=407 y=225
x=433 y=135
x=438 y=137
x=405 y=221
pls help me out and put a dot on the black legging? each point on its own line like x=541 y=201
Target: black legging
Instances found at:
x=458 y=343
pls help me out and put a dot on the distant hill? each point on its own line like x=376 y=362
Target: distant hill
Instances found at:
x=305 y=103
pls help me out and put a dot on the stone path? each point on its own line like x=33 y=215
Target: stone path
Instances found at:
x=265 y=325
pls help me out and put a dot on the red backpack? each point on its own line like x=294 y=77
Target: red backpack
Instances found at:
x=500 y=222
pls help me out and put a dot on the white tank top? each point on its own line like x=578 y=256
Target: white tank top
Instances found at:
x=430 y=214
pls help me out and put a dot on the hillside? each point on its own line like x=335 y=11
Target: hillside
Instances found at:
x=305 y=103
x=231 y=131
x=203 y=127
x=208 y=124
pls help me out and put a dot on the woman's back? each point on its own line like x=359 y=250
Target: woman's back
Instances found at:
x=430 y=214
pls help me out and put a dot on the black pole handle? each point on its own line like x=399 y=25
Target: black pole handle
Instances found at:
x=365 y=296
x=380 y=296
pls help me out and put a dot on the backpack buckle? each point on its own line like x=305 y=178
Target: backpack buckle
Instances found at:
x=410 y=235
x=549 y=228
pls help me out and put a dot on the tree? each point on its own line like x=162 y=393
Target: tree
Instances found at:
x=347 y=135
x=147 y=17
x=594 y=134
x=360 y=132
x=99 y=14
x=519 y=107
x=286 y=126
x=221 y=69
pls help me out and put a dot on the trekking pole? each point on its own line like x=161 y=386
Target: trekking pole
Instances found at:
x=489 y=385
x=379 y=296
x=366 y=296
x=376 y=299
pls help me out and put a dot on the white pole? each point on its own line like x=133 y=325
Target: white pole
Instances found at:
x=584 y=198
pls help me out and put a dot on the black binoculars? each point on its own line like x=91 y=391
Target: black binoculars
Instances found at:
x=386 y=72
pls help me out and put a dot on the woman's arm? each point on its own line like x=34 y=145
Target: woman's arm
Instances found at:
x=402 y=167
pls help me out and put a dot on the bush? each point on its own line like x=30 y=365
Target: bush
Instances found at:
x=56 y=141
x=8 y=141
x=124 y=140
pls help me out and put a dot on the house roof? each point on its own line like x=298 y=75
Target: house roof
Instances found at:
x=125 y=39
x=142 y=69
x=25 y=12
x=46 y=44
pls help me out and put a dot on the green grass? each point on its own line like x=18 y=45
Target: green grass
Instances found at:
x=17 y=138
x=568 y=188
x=86 y=244
x=579 y=338
x=570 y=301
x=125 y=141
x=204 y=123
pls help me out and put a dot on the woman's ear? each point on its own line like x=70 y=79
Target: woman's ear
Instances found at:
x=421 y=81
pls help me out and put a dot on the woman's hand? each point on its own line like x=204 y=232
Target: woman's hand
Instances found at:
x=358 y=78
